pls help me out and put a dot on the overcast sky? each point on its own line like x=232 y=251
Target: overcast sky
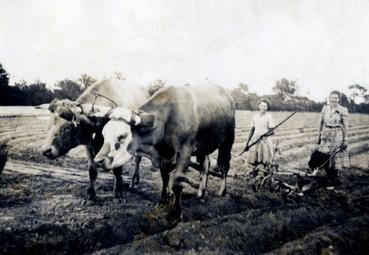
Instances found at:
x=322 y=44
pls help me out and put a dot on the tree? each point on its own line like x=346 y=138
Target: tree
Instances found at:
x=23 y=94
x=37 y=93
x=244 y=87
x=366 y=99
x=4 y=77
x=68 y=89
x=119 y=75
x=20 y=84
x=155 y=86
x=285 y=89
x=85 y=80
x=241 y=96
x=358 y=91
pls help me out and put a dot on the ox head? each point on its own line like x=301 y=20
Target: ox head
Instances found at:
x=125 y=135
x=114 y=152
x=69 y=127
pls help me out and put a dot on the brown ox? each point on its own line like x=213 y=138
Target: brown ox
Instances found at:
x=177 y=123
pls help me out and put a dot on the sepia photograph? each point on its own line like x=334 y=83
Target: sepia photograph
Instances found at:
x=184 y=127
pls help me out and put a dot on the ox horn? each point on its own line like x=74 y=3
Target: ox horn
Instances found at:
x=72 y=114
x=135 y=119
x=53 y=105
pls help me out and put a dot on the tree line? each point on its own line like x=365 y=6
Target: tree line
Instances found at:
x=285 y=95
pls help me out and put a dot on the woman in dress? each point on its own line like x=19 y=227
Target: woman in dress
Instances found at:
x=333 y=135
x=261 y=154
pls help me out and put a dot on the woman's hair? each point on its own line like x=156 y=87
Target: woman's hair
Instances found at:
x=335 y=92
x=263 y=100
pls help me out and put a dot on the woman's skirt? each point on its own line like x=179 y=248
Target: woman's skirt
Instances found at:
x=262 y=153
x=331 y=140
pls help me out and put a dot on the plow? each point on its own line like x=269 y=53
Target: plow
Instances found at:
x=292 y=183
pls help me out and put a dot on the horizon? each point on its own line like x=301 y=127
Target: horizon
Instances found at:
x=322 y=45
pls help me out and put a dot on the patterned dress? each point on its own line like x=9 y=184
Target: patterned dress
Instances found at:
x=334 y=123
x=262 y=152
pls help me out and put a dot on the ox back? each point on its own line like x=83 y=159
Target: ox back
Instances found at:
x=205 y=114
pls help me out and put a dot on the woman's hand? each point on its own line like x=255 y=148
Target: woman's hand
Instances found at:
x=247 y=147
x=343 y=145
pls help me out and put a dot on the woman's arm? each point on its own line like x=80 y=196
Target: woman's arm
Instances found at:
x=345 y=125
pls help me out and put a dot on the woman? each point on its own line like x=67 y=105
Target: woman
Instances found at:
x=333 y=134
x=261 y=154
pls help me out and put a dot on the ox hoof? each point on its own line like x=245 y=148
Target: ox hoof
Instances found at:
x=174 y=216
x=164 y=202
x=203 y=200
x=88 y=202
x=134 y=184
x=118 y=194
x=91 y=194
x=222 y=192
x=119 y=201
x=90 y=197
x=201 y=193
x=135 y=180
x=255 y=187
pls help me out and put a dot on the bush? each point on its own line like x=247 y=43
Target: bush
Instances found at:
x=3 y=155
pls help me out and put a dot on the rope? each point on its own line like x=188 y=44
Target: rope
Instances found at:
x=99 y=95
x=107 y=98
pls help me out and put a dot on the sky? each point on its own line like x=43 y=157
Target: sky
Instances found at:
x=324 y=45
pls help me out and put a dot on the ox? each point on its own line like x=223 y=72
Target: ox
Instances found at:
x=81 y=122
x=175 y=124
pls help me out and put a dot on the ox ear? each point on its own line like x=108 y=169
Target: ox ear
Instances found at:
x=65 y=113
x=53 y=105
x=143 y=119
x=121 y=114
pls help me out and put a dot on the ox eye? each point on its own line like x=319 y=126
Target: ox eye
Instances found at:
x=121 y=138
x=117 y=146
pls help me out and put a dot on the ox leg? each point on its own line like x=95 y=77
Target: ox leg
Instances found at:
x=204 y=167
x=165 y=168
x=223 y=161
x=118 y=182
x=91 y=191
x=179 y=176
x=136 y=174
x=177 y=212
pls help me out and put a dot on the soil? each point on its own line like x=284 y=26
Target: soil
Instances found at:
x=43 y=210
